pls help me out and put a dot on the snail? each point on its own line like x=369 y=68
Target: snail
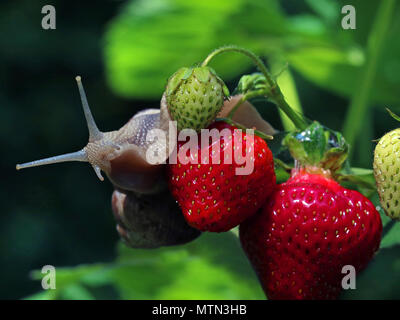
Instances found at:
x=146 y=214
x=160 y=222
x=121 y=154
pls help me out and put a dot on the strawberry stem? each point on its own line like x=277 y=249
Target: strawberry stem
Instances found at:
x=244 y=98
x=258 y=62
x=283 y=165
x=273 y=91
x=238 y=125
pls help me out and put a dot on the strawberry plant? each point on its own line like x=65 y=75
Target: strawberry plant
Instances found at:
x=316 y=201
x=310 y=227
x=297 y=235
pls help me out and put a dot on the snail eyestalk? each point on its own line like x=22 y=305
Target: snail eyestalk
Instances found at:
x=73 y=156
x=95 y=137
x=94 y=133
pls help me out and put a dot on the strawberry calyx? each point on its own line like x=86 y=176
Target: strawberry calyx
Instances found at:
x=203 y=74
x=317 y=147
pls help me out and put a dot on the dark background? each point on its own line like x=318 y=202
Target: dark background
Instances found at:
x=61 y=215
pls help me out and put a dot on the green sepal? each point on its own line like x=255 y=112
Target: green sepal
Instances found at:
x=225 y=90
x=187 y=74
x=318 y=146
x=175 y=80
x=224 y=87
x=202 y=74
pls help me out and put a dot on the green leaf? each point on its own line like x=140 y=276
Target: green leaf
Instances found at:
x=212 y=267
x=391 y=232
x=76 y=292
x=203 y=269
x=327 y=9
x=393 y=115
x=69 y=279
x=338 y=71
x=381 y=278
x=337 y=64
x=358 y=177
x=151 y=39
x=42 y=295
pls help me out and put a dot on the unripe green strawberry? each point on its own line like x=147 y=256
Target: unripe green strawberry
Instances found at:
x=387 y=172
x=194 y=97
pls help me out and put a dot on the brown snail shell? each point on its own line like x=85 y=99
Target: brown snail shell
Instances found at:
x=150 y=221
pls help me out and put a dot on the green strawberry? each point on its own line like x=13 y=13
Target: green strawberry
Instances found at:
x=195 y=96
x=387 y=172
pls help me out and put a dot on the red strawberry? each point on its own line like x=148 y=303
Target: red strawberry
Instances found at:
x=308 y=230
x=212 y=196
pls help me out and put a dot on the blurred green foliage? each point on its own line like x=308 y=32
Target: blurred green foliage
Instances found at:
x=213 y=267
x=142 y=43
x=50 y=218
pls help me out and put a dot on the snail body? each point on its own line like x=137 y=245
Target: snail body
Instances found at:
x=121 y=154
x=146 y=214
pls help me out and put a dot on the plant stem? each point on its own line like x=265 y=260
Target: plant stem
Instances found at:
x=258 y=62
x=244 y=98
x=298 y=120
x=238 y=125
x=288 y=87
x=273 y=92
x=282 y=164
x=359 y=104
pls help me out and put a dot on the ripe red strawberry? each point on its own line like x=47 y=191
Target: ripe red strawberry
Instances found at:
x=212 y=196
x=308 y=230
